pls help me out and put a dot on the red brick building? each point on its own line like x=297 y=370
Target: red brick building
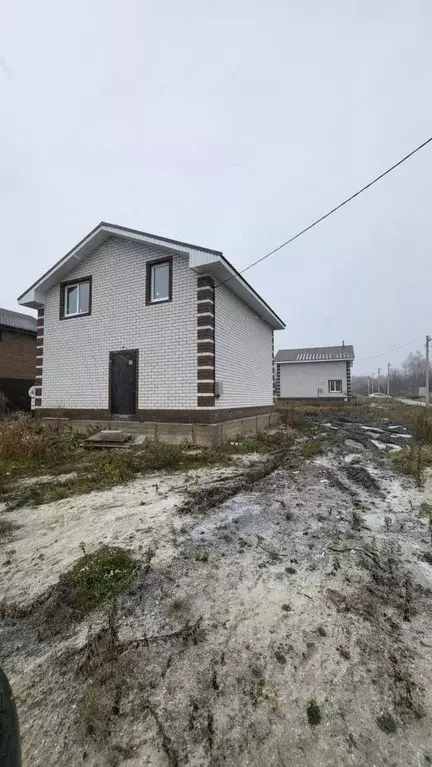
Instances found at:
x=17 y=358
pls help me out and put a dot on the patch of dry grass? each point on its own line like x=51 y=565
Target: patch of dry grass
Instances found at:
x=263 y=442
x=311 y=449
x=6 y=528
x=102 y=470
x=414 y=460
x=27 y=440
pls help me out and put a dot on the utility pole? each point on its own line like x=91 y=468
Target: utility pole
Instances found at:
x=379 y=379
x=388 y=379
x=428 y=339
x=368 y=386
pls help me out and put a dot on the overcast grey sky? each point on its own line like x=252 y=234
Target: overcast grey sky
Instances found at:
x=230 y=124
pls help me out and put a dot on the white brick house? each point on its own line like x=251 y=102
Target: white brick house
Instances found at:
x=140 y=326
x=320 y=373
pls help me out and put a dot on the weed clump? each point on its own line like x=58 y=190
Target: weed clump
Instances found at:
x=418 y=456
x=176 y=605
x=423 y=427
x=413 y=461
x=425 y=509
x=6 y=528
x=311 y=448
x=356 y=521
x=96 y=579
x=386 y=723
x=26 y=440
x=294 y=419
x=262 y=442
x=313 y=712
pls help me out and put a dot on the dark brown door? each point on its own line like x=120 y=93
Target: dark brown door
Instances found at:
x=123 y=382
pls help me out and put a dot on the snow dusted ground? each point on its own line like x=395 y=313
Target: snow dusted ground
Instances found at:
x=288 y=604
x=138 y=515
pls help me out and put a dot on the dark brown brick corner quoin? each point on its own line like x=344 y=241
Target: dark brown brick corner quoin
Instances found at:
x=348 y=375
x=205 y=342
x=39 y=356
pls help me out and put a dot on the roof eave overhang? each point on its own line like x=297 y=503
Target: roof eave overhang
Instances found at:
x=223 y=274
x=301 y=362
x=35 y=296
x=201 y=260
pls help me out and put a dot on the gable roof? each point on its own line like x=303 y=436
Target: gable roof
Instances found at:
x=201 y=260
x=17 y=321
x=316 y=354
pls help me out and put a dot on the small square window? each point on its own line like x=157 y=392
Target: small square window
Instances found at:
x=335 y=386
x=159 y=279
x=75 y=298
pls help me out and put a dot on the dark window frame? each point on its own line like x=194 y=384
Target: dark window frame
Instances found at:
x=149 y=266
x=335 y=390
x=63 y=286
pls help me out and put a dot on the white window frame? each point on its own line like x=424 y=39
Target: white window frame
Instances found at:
x=332 y=385
x=152 y=271
x=70 y=286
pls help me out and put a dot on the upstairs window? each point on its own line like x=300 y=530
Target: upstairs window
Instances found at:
x=159 y=281
x=335 y=386
x=75 y=298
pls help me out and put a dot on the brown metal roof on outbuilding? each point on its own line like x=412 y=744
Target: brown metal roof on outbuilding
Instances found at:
x=316 y=354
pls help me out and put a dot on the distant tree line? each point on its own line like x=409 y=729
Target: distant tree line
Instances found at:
x=404 y=381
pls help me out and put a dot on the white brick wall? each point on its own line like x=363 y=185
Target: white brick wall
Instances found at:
x=243 y=345
x=76 y=350
x=303 y=379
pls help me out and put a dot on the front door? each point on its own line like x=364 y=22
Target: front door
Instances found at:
x=123 y=382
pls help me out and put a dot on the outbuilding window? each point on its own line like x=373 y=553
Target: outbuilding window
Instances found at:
x=335 y=386
x=75 y=298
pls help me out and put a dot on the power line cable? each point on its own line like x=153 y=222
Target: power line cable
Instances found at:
x=330 y=212
x=389 y=351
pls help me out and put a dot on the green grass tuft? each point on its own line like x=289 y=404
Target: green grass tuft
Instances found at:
x=311 y=448
x=176 y=605
x=313 y=712
x=96 y=579
x=425 y=509
x=386 y=723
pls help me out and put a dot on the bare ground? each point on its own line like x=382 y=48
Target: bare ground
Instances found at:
x=307 y=585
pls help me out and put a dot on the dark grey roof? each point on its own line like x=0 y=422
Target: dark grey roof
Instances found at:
x=316 y=354
x=17 y=321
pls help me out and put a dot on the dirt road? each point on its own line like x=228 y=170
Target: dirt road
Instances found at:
x=289 y=625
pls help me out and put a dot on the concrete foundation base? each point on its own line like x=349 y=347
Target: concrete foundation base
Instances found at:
x=202 y=434
x=282 y=402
